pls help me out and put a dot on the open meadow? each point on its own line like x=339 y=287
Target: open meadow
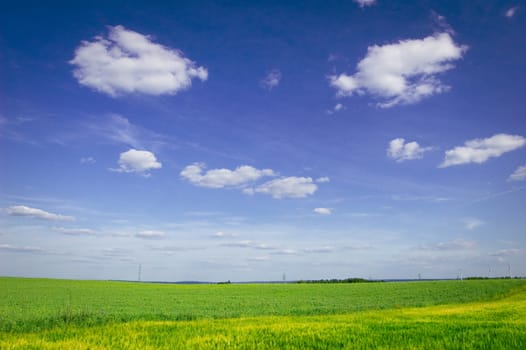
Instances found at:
x=62 y=314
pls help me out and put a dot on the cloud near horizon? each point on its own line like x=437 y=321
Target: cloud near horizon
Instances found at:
x=480 y=150
x=130 y=62
x=402 y=73
x=22 y=210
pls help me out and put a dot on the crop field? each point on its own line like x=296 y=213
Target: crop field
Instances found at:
x=60 y=314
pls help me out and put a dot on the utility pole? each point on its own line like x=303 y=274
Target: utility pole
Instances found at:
x=139 y=275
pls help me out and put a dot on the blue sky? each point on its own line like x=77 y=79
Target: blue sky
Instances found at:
x=243 y=141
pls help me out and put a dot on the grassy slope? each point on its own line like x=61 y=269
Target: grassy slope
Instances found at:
x=37 y=304
x=496 y=324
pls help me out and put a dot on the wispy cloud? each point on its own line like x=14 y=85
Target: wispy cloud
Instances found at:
x=511 y=11
x=480 y=150
x=76 y=231
x=19 y=249
x=458 y=244
x=151 y=234
x=118 y=129
x=130 y=62
x=249 y=244
x=22 y=210
x=507 y=252
x=87 y=160
x=271 y=80
x=221 y=234
x=402 y=73
x=365 y=3
x=519 y=174
x=472 y=223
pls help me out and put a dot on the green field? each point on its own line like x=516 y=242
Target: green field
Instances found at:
x=59 y=314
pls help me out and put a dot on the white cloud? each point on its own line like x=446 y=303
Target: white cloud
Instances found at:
x=323 y=211
x=338 y=107
x=519 y=174
x=22 y=210
x=472 y=223
x=323 y=179
x=87 y=160
x=458 y=244
x=221 y=234
x=287 y=187
x=285 y=252
x=325 y=249
x=151 y=234
x=511 y=11
x=129 y=62
x=480 y=150
x=507 y=252
x=134 y=161
x=271 y=80
x=400 y=151
x=402 y=73
x=76 y=231
x=219 y=178
x=364 y=3
x=249 y=244
x=17 y=249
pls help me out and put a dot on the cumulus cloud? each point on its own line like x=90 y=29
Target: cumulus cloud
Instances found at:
x=364 y=3
x=130 y=62
x=22 y=210
x=287 y=187
x=76 y=231
x=323 y=211
x=271 y=80
x=402 y=73
x=219 y=178
x=472 y=223
x=519 y=174
x=511 y=11
x=134 y=161
x=400 y=151
x=151 y=234
x=480 y=150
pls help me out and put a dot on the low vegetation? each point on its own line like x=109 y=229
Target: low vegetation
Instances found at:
x=56 y=314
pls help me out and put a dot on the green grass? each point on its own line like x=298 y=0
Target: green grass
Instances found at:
x=57 y=314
